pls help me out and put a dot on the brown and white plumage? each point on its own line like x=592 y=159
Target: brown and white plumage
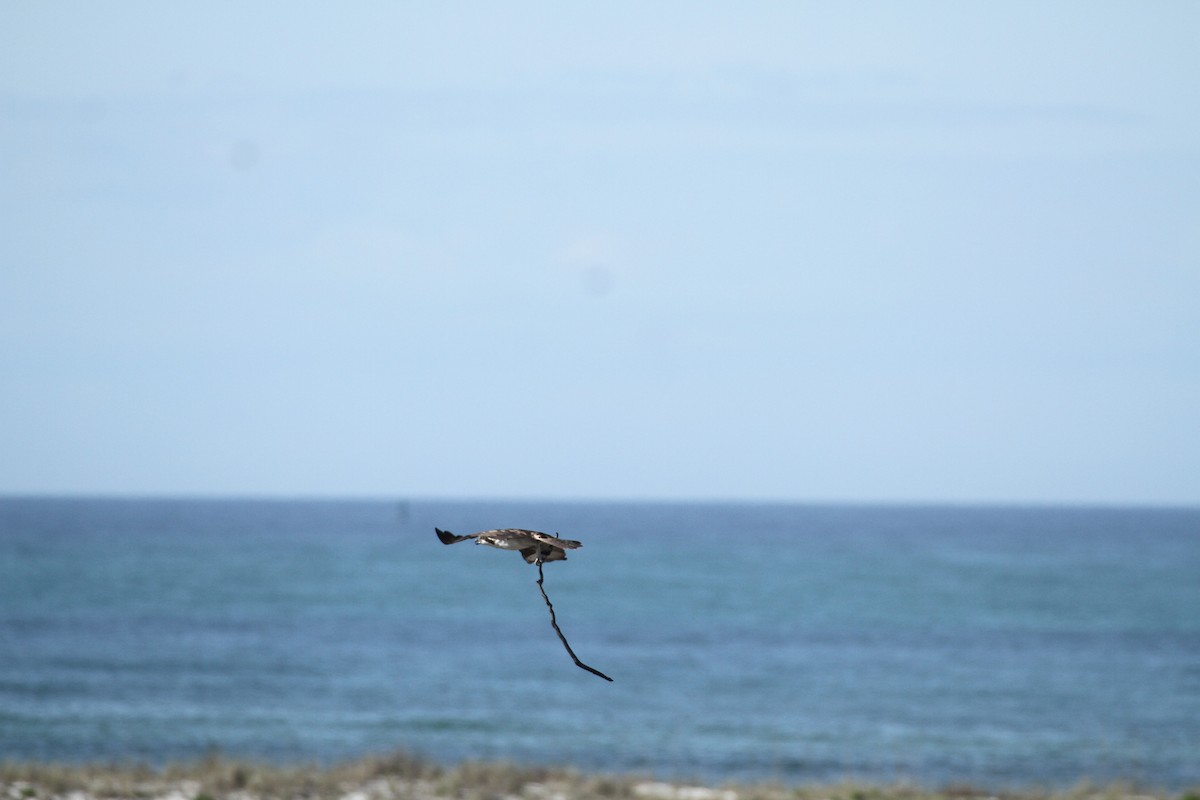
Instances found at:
x=533 y=546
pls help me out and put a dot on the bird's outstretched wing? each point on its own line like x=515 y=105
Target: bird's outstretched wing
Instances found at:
x=449 y=538
x=554 y=541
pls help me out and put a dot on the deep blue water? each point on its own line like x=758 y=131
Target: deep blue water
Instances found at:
x=1000 y=646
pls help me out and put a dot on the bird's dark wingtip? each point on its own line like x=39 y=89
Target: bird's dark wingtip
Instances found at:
x=446 y=537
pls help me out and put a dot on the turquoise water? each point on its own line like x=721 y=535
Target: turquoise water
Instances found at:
x=1001 y=646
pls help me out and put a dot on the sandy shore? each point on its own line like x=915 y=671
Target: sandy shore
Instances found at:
x=403 y=777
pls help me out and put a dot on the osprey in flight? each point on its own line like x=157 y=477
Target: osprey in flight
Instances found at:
x=533 y=545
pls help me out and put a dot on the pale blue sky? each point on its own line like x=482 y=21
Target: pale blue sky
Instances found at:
x=797 y=251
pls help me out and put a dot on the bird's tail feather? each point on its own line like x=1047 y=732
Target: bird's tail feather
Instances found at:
x=447 y=537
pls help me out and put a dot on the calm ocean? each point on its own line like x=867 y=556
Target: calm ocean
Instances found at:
x=999 y=646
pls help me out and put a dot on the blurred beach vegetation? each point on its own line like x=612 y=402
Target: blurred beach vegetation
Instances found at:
x=404 y=776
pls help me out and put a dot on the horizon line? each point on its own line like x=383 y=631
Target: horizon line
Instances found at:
x=376 y=497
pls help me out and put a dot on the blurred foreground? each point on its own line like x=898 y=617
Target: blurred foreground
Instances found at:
x=401 y=776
